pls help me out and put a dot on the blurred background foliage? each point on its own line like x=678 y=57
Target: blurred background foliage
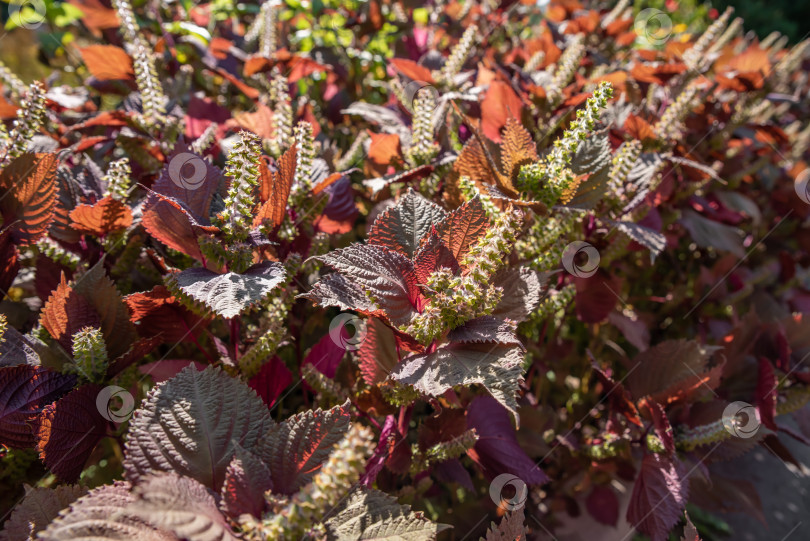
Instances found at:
x=317 y=25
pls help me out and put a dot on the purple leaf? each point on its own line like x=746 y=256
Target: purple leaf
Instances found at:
x=497 y=450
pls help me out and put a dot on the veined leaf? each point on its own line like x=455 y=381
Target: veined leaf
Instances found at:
x=337 y=290
x=106 y=216
x=486 y=329
x=510 y=528
x=378 y=352
x=246 y=480
x=462 y=228
x=182 y=506
x=517 y=149
x=192 y=425
x=69 y=431
x=673 y=370
x=37 y=509
x=95 y=287
x=28 y=196
x=371 y=514
x=432 y=256
x=103 y=515
x=230 y=294
x=294 y=449
x=274 y=189
x=497 y=367
x=402 y=227
x=522 y=290
x=171 y=223
x=654 y=241
x=25 y=391
x=659 y=496
x=592 y=154
x=386 y=276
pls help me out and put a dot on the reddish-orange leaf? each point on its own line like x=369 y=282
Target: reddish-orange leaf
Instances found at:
x=28 y=196
x=106 y=216
x=647 y=73
x=65 y=313
x=96 y=16
x=9 y=261
x=517 y=148
x=638 y=128
x=384 y=148
x=259 y=121
x=412 y=70
x=108 y=62
x=500 y=104
x=275 y=188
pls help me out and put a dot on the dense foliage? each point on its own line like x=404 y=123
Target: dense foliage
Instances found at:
x=372 y=270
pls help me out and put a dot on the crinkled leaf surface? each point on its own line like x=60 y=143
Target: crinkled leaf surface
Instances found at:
x=181 y=505
x=371 y=514
x=295 y=448
x=486 y=329
x=522 y=290
x=103 y=515
x=37 y=509
x=230 y=294
x=495 y=366
x=462 y=228
x=592 y=155
x=402 y=226
x=105 y=216
x=432 y=256
x=387 y=276
x=192 y=425
x=337 y=290
x=510 y=528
